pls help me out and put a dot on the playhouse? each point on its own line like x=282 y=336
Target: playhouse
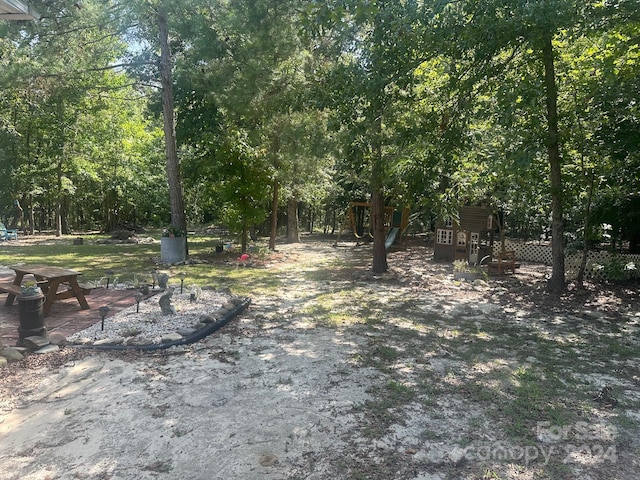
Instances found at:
x=469 y=238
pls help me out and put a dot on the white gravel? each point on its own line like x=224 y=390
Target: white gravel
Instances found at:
x=150 y=324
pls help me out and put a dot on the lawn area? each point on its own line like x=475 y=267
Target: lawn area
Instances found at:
x=130 y=263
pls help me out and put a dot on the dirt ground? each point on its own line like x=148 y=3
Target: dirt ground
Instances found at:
x=338 y=373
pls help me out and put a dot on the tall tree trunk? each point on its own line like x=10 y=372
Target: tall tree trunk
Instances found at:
x=377 y=201
x=379 y=251
x=586 y=229
x=244 y=240
x=293 y=232
x=58 y=207
x=59 y=167
x=65 y=227
x=556 y=283
x=178 y=218
x=32 y=218
x=274 y=215
x=498 y=218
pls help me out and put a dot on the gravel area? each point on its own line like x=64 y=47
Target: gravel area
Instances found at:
x=145 y=323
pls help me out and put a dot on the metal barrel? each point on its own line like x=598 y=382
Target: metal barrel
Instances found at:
x=31 y=316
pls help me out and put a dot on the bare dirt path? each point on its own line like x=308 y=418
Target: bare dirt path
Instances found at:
x=342 y=374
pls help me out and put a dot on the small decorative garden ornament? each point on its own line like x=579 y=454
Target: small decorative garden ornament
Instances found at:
x=165 y=303
x=163 y=279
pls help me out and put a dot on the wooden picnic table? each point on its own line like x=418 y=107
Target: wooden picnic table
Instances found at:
x=50 y=279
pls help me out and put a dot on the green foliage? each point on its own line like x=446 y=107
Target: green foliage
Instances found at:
x=434 y=105
x=620 y=211
x=78 y=132
x=244 y=119
x=460 y=266
x=619 y=270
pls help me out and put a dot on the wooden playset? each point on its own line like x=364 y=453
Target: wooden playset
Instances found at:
x=358 y=219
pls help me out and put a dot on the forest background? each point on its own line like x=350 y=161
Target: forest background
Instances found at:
x=300 y=106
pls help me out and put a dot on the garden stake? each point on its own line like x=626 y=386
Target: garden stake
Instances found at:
x=109 y=273
x=103 y=313
x=182 y=275
x=138 y=297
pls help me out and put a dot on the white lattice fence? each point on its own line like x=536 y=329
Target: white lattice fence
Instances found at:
x=530 y=252
x=535 y=253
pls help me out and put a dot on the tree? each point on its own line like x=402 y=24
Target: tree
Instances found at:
x=557 y=280
x=375 y=46
x=60 y=84
x=242 y=76
x=178 y=218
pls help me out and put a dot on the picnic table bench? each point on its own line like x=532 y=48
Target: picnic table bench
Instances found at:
x=50 y=279
x=504 y=263
x=7 y=287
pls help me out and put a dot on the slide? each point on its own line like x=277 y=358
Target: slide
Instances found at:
x=391 y=237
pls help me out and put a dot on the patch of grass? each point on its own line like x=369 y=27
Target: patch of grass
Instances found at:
x=335 y=309
x=626 y=429
x=386 y=407
x=490 y=474
x=343 y=318
x=615 y=348
x=243 y=281
x=398 y=392
x=557 y=468
x=427 y=435
x=319 y=275
x=328 y=316
x=428 y=386
x=316 y=309
x=536 y=397
x=479 y=392
x=385 y=353
x=90 y=259
x=374 y=320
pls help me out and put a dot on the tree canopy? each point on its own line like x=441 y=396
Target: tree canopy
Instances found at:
x=289 y=108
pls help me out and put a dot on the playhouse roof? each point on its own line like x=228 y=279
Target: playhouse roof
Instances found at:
x=474 y=218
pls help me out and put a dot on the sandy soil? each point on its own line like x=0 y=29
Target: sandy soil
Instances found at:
x=273 y=394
